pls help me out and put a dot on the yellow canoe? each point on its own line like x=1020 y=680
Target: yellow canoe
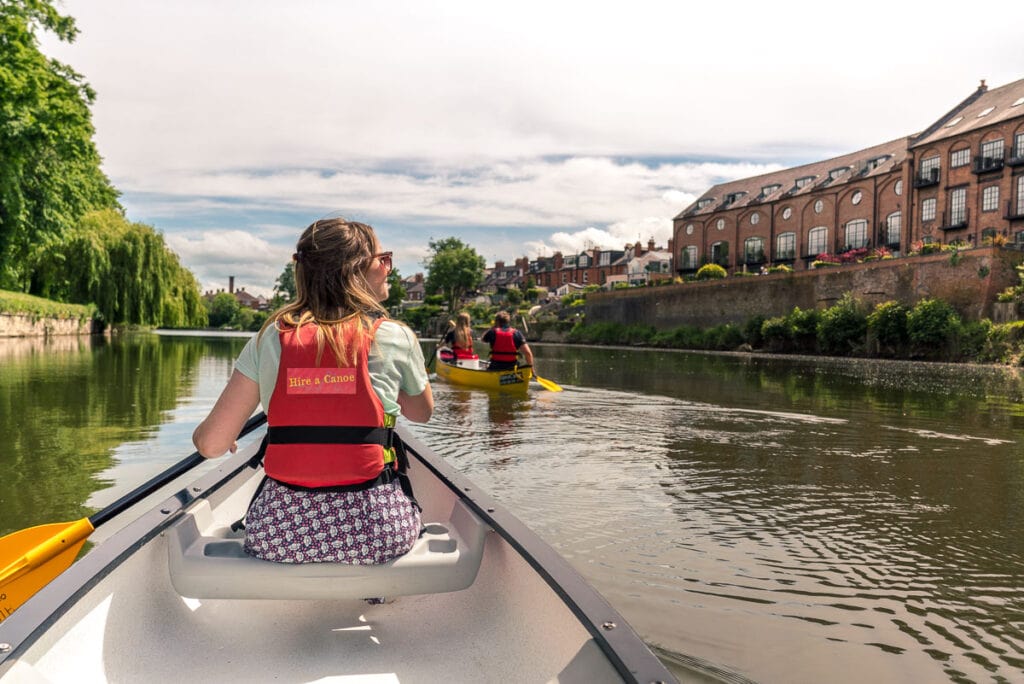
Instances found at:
x=517 y=380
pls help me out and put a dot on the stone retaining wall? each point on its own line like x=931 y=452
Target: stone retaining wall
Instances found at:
x=969 y=281
x=26 y=325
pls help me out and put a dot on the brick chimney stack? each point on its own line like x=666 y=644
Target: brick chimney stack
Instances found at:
x=231 y=284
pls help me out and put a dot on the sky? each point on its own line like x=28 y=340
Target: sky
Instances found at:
x=520 y=129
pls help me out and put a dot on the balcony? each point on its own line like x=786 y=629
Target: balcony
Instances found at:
x=1016 y=157
x=927 y=178
x=754 y=259
x=987 y=165
x=956 y=220
x=1014 y=210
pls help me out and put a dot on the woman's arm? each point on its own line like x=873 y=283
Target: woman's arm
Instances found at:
x=416 y=407
x=217 y=433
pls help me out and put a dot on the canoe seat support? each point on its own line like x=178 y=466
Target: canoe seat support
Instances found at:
x=207 y=561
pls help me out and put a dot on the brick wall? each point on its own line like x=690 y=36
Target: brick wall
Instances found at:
x=970 y=285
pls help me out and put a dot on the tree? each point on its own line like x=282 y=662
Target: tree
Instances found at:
x=454 y=268
x=222 y=309
x=49 y=167
x=396 y=291
x=284 y=286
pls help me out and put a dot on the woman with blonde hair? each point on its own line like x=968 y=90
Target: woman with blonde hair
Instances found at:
x=332 y=373
x=460 y=338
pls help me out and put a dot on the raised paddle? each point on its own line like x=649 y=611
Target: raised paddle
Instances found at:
x=30 y=558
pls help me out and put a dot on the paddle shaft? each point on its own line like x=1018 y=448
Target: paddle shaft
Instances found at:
x=169 y=475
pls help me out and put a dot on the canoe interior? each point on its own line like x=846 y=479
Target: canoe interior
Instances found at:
x=115 y=615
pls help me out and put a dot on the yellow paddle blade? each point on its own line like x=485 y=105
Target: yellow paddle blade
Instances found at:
x=547 y=384
x=32 y=557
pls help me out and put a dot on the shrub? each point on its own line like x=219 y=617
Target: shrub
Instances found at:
x=711 y=272
x=725 y=337
x=804 y=328
x=887 y=325
x=841 y=328
x=752 y=330
x=932 y=325
x=776 y=333
x=781 y=268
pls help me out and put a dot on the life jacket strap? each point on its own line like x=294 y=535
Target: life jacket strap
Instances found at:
x=329 y=434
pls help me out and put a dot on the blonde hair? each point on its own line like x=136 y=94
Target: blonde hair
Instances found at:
x=331 y=260
x=464 y=331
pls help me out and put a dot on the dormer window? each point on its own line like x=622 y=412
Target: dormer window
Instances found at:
x=732 y=197
x=878 y=161
x=803 y=181
x=705 y=202
x=836 y=173
x=769 y=189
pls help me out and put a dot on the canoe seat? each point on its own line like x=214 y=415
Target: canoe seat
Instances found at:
x=207 y=562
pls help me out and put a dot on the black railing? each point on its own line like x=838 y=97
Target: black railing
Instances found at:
x=927 y=178
x=987 y=164
x=957 y=220
x=1016 y=157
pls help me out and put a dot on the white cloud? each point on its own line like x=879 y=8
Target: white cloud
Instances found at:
x=531 y=127
x=215 y=255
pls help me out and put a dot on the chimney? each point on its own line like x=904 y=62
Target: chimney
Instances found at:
x=419 y=277
x=231 y=284
x=650 y=245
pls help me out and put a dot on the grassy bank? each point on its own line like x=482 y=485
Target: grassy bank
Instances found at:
x=19 y=303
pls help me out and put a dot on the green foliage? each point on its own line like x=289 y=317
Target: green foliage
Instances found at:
x=711 y=272
x=454 y=269
x=221 y=310
x=932 y=325
x=887 y=325
x=417 y=317
x=781 y=268
x=49 y=167
x=284 y=286
x=776 y=333
x=396 y=291
x=803 y=325
x=513 y=296
x=752 y=330
x=842 y=327
x=124 y=268
x=726 y=337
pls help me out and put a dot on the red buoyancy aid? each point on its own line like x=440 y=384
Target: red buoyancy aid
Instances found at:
x=326 y=424
x=503 y=348
x=464 y=352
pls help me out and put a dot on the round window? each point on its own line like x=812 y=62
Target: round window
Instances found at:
x=689 y=229
x=818 y=207
x=754 y=218
x=787 y=212
x=857 y=197
x=720 y=224
x=899 y=187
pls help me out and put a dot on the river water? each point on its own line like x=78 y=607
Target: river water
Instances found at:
x=770 y=519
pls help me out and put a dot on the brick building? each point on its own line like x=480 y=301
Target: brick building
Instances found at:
x=961 y=179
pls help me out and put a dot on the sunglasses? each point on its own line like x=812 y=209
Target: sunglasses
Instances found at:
x=385 y=260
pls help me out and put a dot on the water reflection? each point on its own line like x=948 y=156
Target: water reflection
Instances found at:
x=66 y=404
x=789 y=520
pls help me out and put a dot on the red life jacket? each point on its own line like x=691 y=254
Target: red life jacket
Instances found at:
x=464 y=352
x=503 y=348
x=326 y=425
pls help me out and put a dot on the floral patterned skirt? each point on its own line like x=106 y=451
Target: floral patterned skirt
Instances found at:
x=368 y=527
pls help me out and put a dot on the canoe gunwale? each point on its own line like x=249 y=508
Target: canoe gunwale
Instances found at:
x=623 y=648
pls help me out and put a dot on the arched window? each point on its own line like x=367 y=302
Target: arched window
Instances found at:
x=720 y=254
x=893 y=228
x=785 y=247
x=688 y=258
x=857 y=234
x=753 y=250
x=817 y=241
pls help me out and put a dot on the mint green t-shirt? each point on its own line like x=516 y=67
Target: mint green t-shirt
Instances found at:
x=395 y=361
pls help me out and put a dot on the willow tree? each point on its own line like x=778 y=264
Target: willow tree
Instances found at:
x=49 y=167
x=125 y=269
